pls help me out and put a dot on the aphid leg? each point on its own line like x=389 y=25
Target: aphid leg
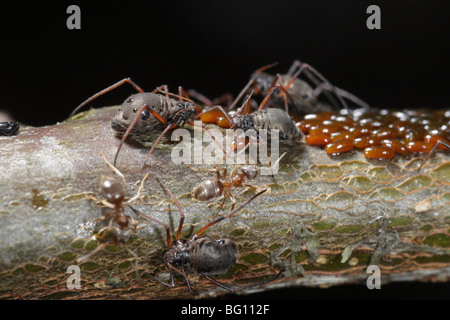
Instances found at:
x=98 y=94
x=344 y=94
x=240 y=288
x=285 y=94
x=172 y=279
x=269 y=95
x=167 y=93
x=439 y=143
x=251 y=83
x=164 y=89
x=311 y=73
x=198 y=96
x=169 y=127
x=217 y=107
x=302 y=67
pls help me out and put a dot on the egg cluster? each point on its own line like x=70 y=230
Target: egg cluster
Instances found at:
x=379 y=134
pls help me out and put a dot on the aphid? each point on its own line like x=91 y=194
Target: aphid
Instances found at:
x=297 y=92
x=213 y=188
x=117 y=221
x=9 y=128
x=268 y=119
x=203 y=256
x=147 y=111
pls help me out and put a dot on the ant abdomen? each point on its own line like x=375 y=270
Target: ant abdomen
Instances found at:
x=211 y=257
x=208 y=189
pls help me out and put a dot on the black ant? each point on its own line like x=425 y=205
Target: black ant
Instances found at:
x=213 y=188
x=203 y=256
x=299 y=92
x=9 y=128
x=137 y=110
x=118 y=222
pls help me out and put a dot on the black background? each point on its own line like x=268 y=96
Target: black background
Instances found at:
x=213 y=46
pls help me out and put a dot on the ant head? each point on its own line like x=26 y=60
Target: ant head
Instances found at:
x=112 y=189
x=129 y=108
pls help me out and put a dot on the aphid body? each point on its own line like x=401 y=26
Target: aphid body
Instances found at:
x=9 y=128
x=269 y=119
x=147 y=112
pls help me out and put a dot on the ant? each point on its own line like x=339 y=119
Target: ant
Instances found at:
x=137 y=110
x=9 y=128
x=203 y=256
x=213 y=188
x=118 y=223
x=297 y=91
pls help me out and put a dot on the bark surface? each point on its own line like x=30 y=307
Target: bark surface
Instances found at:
x=323 y=220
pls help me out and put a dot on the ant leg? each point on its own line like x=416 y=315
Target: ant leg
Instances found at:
x=90 y=254
x=138 y=194
x=223 y=217
x=180 y=226
x=169 y=242
x=136 y=263
x=240 y=288
x=438 y=143
x=98 y=94
x=114 y=169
